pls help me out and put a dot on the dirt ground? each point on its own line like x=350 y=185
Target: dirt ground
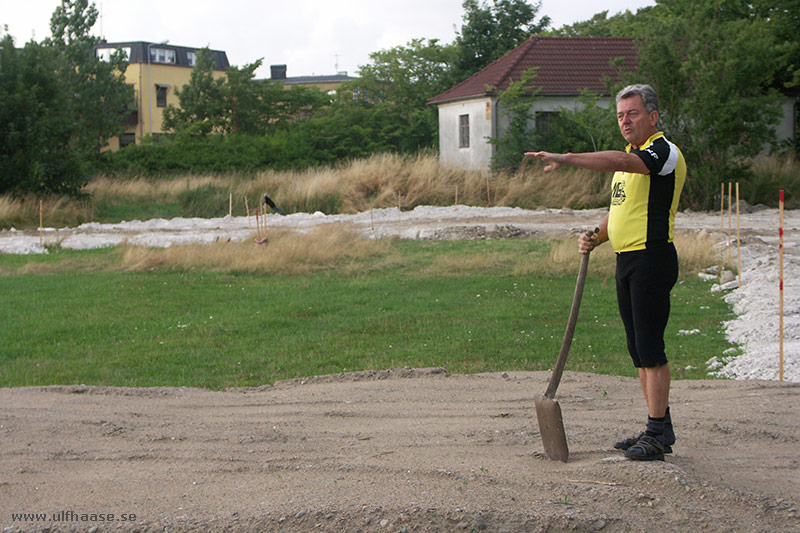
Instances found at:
x=413 y=450
x=401 y=450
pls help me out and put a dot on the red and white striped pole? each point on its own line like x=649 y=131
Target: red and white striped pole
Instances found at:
x=780 y=261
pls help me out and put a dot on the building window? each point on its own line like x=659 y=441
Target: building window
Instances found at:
x=463 y=131
x=162 y=55
x=104 y=54
x=191 y=57
x=161 y=95
x=127 y=138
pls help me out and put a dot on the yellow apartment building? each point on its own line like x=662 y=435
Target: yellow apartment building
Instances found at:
x=154 y=70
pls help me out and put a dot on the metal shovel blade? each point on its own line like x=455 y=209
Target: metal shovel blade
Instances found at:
x=551 y=426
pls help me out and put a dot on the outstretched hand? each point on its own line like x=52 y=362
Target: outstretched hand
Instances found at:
x=553 y=160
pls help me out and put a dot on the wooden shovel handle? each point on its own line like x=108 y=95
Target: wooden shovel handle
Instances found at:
x=555 y=378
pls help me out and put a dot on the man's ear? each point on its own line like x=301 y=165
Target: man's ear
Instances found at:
x=654 y=118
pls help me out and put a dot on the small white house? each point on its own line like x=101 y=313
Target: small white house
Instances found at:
x=566 y=66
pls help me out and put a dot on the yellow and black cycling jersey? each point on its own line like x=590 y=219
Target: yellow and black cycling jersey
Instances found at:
x=643 y=206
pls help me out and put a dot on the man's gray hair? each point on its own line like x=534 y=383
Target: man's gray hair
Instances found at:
x=648 y=94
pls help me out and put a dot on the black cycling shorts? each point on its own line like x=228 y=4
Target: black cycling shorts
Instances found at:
x=644 y=281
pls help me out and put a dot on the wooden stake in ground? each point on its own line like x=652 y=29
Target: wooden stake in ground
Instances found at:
x=722 y=207
x=247 y=208
x=730 y=201
x=738 y=237
x=263 y=222
x=780 y=262
x=398 y=214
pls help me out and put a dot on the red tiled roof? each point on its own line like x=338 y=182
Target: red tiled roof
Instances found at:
x=567 y=66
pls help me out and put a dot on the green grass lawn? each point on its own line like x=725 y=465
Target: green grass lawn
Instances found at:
x=96 y=326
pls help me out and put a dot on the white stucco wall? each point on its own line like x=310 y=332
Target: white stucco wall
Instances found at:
x=481 y=125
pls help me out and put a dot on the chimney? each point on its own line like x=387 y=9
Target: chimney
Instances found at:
x=277 y=72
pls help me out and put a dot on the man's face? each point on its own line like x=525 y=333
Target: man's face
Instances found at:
x=635 y=123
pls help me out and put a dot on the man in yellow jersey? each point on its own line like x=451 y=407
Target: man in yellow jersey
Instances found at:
x=649 y=176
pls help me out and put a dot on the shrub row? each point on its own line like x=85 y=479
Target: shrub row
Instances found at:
x=357 y=133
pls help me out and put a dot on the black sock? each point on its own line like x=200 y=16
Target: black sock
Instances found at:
x=655 y=426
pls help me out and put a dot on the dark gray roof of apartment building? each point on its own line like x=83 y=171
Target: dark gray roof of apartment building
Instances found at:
x=278 y=73
x=332 y=78
x=138 y=52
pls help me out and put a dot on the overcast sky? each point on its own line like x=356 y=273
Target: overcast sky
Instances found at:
x=309 y=36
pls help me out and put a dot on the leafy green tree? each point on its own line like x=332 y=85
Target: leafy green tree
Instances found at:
x=58 y=106
x=714 y=72
x=97 y=94
x=236 y=103
x=202 y=101
x=405 y=75
x=491 y=31
x=35 y=124
x=515 y=103
x=587 y=127
x=398 y=83
x=625 y=24
x=254 y=107
x=348 y=132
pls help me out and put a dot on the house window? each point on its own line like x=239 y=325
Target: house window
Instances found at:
x=162 y=55
x=545 y=120
x=161 y=95
x=127 y=138
x=191 y=57
x=463 y=131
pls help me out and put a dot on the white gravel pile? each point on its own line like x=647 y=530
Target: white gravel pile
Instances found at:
x=756 y=328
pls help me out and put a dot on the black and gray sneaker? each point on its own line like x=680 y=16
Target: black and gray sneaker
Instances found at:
x=647 y=449
x=624 y=444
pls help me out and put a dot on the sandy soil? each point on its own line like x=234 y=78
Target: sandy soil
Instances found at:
x=417 y=449
x=414 y=450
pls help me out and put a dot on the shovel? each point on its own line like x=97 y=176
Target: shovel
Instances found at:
x=548 y=411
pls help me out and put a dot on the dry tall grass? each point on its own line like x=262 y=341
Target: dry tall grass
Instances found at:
x=288 y=253
x=55 y=212
x=388 y=179
x=383 y=180
x=697 y=251
x=774 y=173
x=380 y=181
x=377 y=182
x=104 y=187
x=338 y=247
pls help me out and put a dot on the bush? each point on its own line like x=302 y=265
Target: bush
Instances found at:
x=769 y=175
